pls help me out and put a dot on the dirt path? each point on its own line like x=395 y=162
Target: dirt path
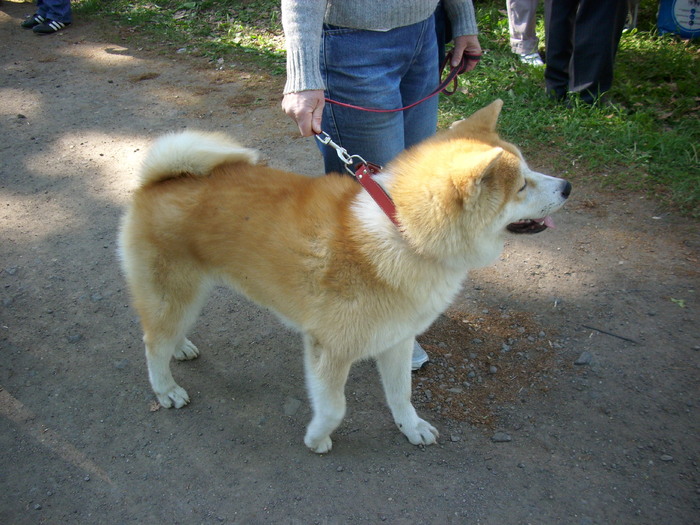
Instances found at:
x=528 y=436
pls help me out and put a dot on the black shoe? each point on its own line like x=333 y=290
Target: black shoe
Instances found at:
x=556 y=95
x=32 y=21
x=50 y=26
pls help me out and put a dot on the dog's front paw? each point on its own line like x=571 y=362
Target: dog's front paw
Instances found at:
x=320 y=446
x=422 y=433
x=186 y=351
x=175 y=397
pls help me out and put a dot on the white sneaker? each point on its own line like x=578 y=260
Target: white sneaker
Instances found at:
x=420 y=357
x=533 y=59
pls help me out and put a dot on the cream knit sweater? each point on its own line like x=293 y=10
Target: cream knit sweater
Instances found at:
x=303 y=23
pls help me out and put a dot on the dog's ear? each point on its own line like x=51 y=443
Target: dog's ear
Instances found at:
x=482 y=167
x=485 y=165
x=483 y=121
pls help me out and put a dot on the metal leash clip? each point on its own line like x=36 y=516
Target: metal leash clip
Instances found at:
x=349 y=160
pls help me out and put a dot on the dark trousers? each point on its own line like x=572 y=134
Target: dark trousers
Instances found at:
x=581 y=43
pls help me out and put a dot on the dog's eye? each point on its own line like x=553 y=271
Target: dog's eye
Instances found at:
x=523 y=188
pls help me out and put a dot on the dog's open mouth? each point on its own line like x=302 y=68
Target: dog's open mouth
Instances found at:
x=531 y=225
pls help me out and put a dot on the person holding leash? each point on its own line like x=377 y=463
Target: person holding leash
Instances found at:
x=381 y=55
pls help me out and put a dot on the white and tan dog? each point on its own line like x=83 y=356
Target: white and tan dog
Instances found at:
x=321 y=254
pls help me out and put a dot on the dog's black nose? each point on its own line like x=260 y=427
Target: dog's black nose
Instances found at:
x=566 y=190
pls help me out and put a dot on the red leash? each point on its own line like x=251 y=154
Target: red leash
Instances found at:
x=442 y=88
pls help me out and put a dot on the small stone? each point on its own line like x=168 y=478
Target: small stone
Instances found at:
x=501 y=437
x=291 y=406
x=339 y=469
x=584 y=359
x=666 y=457
x=455 y=438
x=493 y=370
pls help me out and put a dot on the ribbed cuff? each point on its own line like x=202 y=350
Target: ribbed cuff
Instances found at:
x=303 y=71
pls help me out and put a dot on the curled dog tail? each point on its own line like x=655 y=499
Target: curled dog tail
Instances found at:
x=191 y=153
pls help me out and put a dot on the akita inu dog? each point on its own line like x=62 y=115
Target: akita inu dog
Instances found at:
x=321 y=254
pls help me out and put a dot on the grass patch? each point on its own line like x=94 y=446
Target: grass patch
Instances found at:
x=648 y=141
x=247 y=32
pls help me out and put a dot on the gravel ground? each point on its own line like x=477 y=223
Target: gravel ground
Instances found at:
x=563 y=380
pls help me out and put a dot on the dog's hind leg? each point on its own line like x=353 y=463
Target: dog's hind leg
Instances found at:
x=158 y=354
x=165 y=323
x=394 y=367
x=325 y=379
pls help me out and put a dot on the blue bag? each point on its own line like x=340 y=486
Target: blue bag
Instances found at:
x=679 y=16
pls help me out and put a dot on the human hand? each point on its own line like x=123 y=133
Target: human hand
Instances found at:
x=466 y=45
x=306 y=108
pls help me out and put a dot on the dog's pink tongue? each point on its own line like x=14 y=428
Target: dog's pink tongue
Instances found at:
x=548 y=222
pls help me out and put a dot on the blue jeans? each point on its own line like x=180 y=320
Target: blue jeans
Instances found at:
x=384 y=70
x=58 y=10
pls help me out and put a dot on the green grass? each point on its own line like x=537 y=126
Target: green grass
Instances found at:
x=648 y=141
x=245 y=31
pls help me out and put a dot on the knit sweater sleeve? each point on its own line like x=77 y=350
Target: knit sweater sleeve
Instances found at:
x=303 y=23
x=462 y=17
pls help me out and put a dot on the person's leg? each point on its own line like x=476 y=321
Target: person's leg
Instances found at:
x=420 y=80
x=597 y=35
x=358 y=69
x=522 y=24
x=367 y=68
x=59 y=10
x=559 y=28
x=41 y=8
x=384 y=70
x=420 y=122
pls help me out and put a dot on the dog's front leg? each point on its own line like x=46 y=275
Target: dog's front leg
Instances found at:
x=395 y=369
x=325 y=379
